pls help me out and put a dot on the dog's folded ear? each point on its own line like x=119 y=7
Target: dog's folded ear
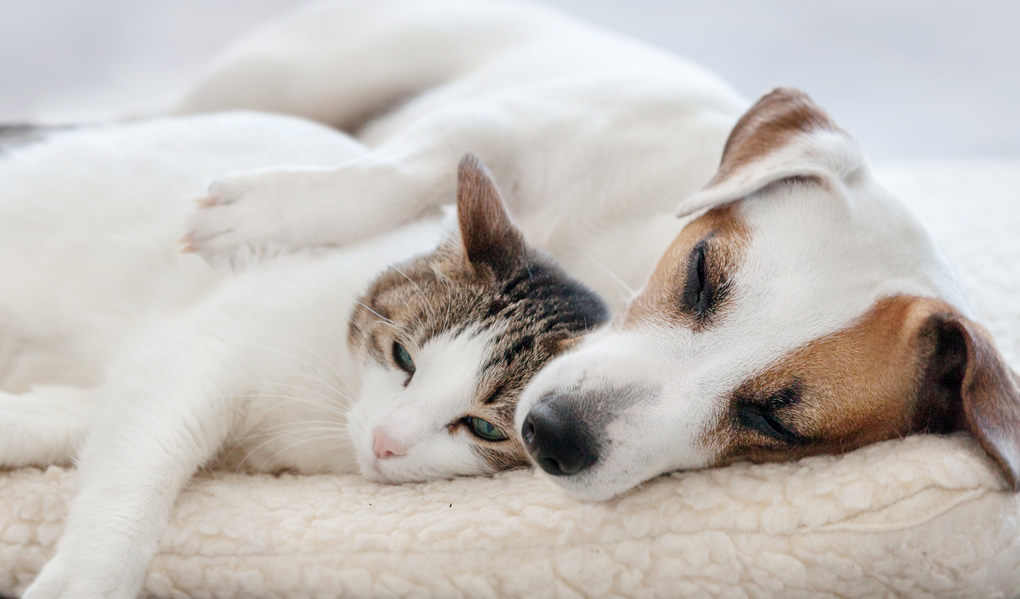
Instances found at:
x=488 y=235
x=784 y=136
x=965 y=384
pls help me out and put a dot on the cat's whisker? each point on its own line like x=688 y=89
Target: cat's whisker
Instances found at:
x=326 y=404
x=340 y=411
x=274 y=432
x=630 y=292
x=288 y=448
x=276 y=437
x=289 y=428
x=340 y=393
x=335 y=398
x=384 y=319
x=449 y=294
x=396 y=326
x=424 y=298
x=316 y=354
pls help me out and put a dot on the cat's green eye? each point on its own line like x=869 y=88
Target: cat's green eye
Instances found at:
x=402 y=358
x=484 y=429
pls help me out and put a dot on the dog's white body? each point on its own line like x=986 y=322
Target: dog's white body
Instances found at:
x=598 y=140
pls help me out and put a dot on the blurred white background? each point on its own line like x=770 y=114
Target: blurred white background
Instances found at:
x=912 y=79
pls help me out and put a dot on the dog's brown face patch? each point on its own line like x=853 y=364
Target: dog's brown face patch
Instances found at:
x=834 y=394
x=890 y=374
x=690 y=285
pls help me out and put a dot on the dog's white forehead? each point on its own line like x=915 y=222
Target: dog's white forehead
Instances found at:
x=819 y=257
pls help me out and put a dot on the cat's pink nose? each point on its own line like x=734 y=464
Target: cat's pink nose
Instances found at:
x=386 y=446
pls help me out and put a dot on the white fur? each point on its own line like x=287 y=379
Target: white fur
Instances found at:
x=595 y=140
x=599 y=139
x=445 y=382
x=143 y=364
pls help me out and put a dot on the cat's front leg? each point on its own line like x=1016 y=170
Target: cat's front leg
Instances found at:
x=158 y=426
x=282 y=210
x=279 y=210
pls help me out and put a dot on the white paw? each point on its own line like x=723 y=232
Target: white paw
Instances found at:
x=275 y=211
x=51 y=582
x=60 y=580
x=262 y=212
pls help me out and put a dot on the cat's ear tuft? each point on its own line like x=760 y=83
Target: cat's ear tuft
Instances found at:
x=487 y=233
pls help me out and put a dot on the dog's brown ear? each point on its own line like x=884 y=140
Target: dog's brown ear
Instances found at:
x=487 y=233
x=966 y=385
x=785 y=135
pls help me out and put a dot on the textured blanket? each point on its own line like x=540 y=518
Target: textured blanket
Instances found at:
x=919 y=517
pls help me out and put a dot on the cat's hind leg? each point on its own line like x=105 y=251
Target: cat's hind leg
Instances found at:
x=45 y=425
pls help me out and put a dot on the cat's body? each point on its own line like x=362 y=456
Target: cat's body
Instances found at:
x=95 y=279
x=143 y=364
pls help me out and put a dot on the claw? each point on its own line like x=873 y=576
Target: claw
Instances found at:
x=205 y=201
x=188 y=241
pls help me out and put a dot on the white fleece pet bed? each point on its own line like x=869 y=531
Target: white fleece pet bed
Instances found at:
x=921 y=517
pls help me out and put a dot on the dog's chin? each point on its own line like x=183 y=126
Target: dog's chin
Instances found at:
x=592 y=487
x=615 y=478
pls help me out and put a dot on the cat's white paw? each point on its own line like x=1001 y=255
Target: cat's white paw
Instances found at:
x=51 y=583
x=59 y=579
x=262 y=212
x=282 y=210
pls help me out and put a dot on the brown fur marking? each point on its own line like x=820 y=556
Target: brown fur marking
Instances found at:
x=728 y=238
x=888 y=375
x=852 y=389
x=770 y=124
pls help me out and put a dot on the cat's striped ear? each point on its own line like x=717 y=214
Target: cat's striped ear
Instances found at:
x=489 y=236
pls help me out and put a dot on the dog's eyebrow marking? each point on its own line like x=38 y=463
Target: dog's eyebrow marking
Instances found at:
x=725 y=238
x=787 y=397
x=770 y=394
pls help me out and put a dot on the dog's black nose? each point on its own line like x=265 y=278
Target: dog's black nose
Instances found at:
x=558 y=441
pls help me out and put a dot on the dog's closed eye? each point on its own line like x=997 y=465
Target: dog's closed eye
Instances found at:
x=765 y=417
x=763 y=420
x=698 y=294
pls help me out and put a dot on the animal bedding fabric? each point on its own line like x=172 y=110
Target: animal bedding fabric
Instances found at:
x=919 y=517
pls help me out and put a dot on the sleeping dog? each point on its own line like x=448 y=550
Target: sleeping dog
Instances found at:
x=789 y=305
